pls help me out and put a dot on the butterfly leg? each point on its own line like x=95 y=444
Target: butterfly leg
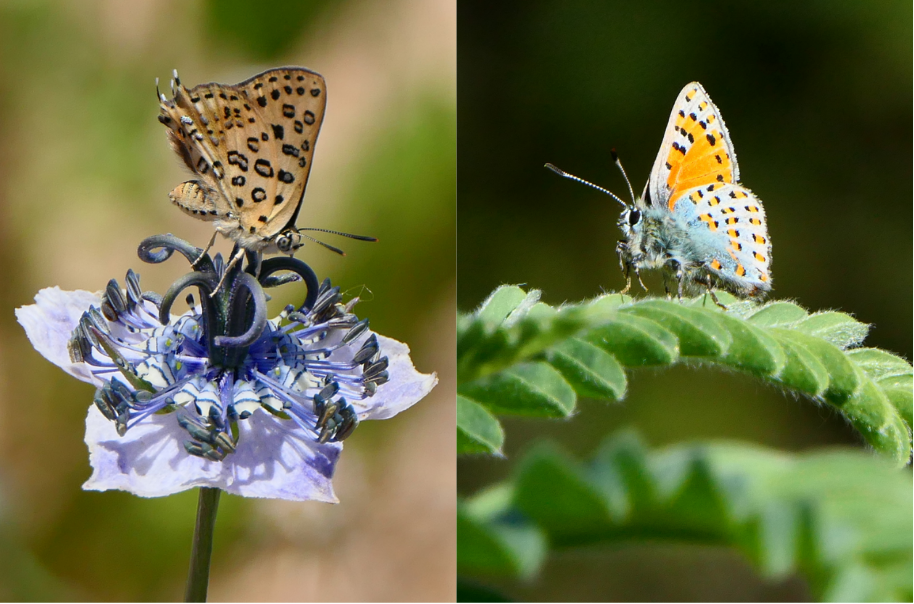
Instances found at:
x=638 y=275
x=674 y=268
x=235 y=260
x=625 y=265
x=712 y=294
x=209 y=246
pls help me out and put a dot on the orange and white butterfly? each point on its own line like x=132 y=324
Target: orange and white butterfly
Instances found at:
x=694 y=221
x=250 y=148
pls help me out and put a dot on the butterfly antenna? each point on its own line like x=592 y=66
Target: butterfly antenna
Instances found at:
x=584 y=182
x=624 y=175
x=350 y=235
x=326 y=245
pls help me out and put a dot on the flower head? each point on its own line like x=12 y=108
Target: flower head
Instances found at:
x=220 y=396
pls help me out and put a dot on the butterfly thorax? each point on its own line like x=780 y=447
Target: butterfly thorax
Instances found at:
x=197 y=199
x=653 y=237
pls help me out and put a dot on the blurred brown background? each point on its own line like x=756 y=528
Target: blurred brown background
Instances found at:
x=817 y=98
x=84 y=174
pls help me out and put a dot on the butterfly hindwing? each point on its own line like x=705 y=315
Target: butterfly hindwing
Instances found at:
x=252 y=145
x=729 y=233
x=696 y=149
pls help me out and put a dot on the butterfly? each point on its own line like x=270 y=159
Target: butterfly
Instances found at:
x=250 y=148
x=694 y=221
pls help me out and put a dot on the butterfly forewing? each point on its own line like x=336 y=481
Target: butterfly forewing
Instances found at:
x=252 y=145
x=696 y=148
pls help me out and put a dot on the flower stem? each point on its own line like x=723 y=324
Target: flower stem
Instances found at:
x=198 y=576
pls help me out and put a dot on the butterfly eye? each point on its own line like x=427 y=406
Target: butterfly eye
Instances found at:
x=634 y=217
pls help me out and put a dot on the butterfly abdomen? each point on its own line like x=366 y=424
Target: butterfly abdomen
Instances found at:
x=193 y=199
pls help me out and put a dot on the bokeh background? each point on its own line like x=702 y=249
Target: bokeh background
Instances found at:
x=817 y=98
x=84 y=175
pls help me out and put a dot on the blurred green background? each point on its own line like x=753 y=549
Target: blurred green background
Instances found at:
x=817 y=98
x=84 y=175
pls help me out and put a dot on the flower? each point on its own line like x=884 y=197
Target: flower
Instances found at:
x=204 y=399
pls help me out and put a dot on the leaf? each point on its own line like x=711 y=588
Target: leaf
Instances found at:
x=534 y=389
x=477 y=430
x=778 y=314
x=635 y=341
x=583 y=350
x=844 y=378
x=591 y=371
x=502 y=302
x=493 y=543
x=838 y=328
x=699 y=335
x=840 y=517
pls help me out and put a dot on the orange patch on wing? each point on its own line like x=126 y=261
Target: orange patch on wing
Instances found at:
x=712 y=224
x=740 y=271
x=715 y=265
x=758 y=238
x=755 y=221
x=705 y=162
x=763 y=277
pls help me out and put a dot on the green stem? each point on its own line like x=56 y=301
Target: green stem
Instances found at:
x=198 y=576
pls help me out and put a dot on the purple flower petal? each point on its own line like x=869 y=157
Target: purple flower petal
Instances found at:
x=273 y=459
x=49 y=322
x=405 y=388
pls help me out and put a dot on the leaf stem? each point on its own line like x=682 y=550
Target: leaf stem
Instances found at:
x=198 y=575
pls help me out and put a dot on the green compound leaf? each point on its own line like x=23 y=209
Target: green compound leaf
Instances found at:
x=477 y=430
x=493 y=543
x=535 y=389
x=635 y=341
x=591 y=371
x=835 y=327
x=839 y=517
x=519 y=356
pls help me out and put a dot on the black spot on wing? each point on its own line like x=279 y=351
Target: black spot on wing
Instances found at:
x=237 y=159
x=263 y=167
